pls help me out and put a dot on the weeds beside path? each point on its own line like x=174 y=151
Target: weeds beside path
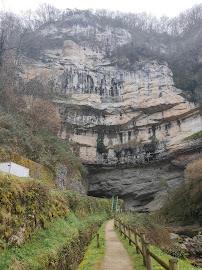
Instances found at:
x=94 y=256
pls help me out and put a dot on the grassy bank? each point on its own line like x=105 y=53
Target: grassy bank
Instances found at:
x=24 y=136
x=61 y=245
x=42 y=228
x=146 y=224
x=138 y=261
x=94 y=256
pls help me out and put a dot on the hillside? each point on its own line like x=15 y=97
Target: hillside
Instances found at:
x=45 y=228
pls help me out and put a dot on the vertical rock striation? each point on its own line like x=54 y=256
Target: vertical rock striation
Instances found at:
x=117 y=117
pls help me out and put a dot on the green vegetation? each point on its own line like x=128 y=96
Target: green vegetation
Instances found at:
x=185 y=204
x=153 y=225
x=19 y=138
x=138 y=261
x=184 y=265
x=101 y=148
x=26 y=204
x=39 y=225
x=36 y=170
x=51 y=247
x=61 y=153
x=153 y=139
x=94 y=256
x=195 y=136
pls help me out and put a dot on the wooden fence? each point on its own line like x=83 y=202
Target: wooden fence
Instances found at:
x=134 y=236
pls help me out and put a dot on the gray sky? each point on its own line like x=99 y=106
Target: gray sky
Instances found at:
x=170 y=8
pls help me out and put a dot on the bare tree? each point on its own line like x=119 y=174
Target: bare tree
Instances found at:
x=12 y=34
x=44 y=114
x=47 y=13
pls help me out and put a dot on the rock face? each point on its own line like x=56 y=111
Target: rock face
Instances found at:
x=143 y=188
x=67 y=180
x=116 y=116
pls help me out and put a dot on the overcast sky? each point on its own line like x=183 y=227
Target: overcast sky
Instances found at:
x=170 y=8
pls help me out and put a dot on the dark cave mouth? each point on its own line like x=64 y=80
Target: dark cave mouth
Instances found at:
x=131 y=201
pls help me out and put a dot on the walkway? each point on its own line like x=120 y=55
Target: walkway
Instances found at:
x=116 y=257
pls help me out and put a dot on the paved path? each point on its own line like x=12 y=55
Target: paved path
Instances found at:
x=116 y=257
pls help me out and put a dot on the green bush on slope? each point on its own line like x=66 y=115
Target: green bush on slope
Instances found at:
x=41 y=145
x=26 y=204
x=51 y=224
x=185 y=204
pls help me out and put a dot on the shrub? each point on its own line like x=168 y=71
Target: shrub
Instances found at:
x=101 y=148
x=153 y=225
x=39 y=145
x=193 y=172
x=185 y=203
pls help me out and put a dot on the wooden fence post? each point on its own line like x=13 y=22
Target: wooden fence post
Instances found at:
x=136 y=241
x=148 y=257
x=124 y=226
x=120 y=226
x=98 y=240
x=173 y=264
x=142 y=235
x=129 y=235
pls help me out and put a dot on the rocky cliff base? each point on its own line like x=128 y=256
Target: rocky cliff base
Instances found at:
x=143 y=188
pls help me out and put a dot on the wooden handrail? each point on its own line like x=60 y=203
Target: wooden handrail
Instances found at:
x=145 y=251
x=156 y=258
x=136 y=233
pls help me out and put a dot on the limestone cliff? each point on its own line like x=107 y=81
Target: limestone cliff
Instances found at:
x=113 y=116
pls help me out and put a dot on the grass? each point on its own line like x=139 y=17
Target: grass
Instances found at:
x=94 y=256
x=27 y=204
x=183 y=265
x=53 y=226
x=45 y=246
x=40 y=145
x=194 y=136
x=138 y=261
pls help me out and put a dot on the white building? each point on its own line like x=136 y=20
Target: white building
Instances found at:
x=15 y=169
